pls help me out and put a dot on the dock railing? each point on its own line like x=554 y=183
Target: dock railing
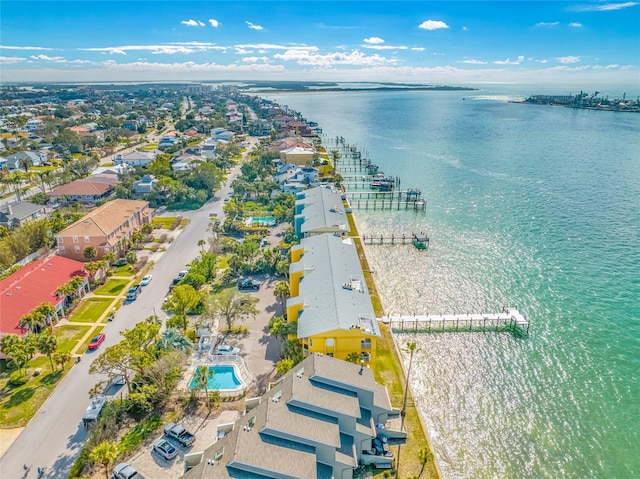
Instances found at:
x=510 y=319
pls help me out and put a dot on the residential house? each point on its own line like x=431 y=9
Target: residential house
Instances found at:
x=16 y=214
x=34 y=284
x=221 y=134
x=298 y=179
x=3 y=162
x=281 y=121
x=130 y=125
x=319 y=210
x=36 y=158
x=88 y=190
x=299 y=156
x=135 y=158
x=329 y=298
x=186 y=162
x=299 y=128
x=34 y=124
x=145 y=185
x=104 y=228
x=316 y=422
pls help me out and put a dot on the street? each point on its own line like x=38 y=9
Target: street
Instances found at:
x=55 y=435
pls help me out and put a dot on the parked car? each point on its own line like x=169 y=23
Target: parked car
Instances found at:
x=248 y=285
x=182 y=274
x=146 y=280
x=97 y=341
x=180 y=434
x=227 y=350
x=126 y=471
x=165 y=449
x=133 y=292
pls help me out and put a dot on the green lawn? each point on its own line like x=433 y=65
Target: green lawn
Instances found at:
x=90 y=310
x=164 y=221
x=69 y=335
x=125 y=270
x=19 y=404
x=113 y=287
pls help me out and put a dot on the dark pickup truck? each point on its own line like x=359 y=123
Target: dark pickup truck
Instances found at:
x=180 y=434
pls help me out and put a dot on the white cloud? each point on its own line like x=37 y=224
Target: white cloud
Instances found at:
x=256 y=59
x=9 y=47
x=168 y=49
x=7 y=60
x=569 y=59
x=47 y=58
x=271 y=46
x=305 y=57
x=253 y=26
x=417 y=49
x=192 y=23
x=373 y=40
x=547 y=24
x=575 y=25
x=464 y=29
x=508 y=61
x=433 y=25
x=385 y=47
x=214 y=23
x=606 y=7
x=472 y=61
x=542 y=61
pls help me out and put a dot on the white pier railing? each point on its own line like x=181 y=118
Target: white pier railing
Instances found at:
x=510 y=319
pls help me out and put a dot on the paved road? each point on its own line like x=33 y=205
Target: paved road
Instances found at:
x=55 y=435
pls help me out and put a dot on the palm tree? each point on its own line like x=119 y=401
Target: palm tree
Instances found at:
x=61 y=358
x=201 y=381
x=110 y=257
x=31 y=321
x=91 y=268
x=25 y=163
x=281 y=291
x=424 y=455
x=411 y=348
x=48 y=311
x=48 y=344
x=104 y=453
x=174 y=339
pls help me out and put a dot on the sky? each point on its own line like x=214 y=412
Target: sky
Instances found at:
x=454 y=42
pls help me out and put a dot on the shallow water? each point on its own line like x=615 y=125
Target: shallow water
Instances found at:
x=528 y=206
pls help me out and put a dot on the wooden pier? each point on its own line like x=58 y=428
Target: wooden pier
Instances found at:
x=420 y=241
x=388 y=204
x=407 y=195
x=509 y=320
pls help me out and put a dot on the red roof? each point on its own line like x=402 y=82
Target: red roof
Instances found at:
x=32 y=285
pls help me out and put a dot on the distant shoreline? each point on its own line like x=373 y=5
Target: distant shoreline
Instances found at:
x=583 y=102
x=341 y=90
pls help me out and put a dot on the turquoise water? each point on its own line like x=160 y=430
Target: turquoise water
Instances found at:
x=223 y=379
x=268 y=220
x=529 y=206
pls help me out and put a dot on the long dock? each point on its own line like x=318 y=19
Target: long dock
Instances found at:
x=388 y=204
x=509 y=320
x=420 y=241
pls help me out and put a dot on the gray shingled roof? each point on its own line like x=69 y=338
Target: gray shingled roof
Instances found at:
x=330 y=262
x=323 y=211
x=277 y=437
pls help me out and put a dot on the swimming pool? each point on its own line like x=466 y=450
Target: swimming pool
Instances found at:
x=263 y=220
x=224 y=378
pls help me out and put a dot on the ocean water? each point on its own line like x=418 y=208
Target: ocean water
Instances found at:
x=529 y=206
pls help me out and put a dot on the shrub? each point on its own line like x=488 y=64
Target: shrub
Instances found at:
x=17 y=378
x=191 y=335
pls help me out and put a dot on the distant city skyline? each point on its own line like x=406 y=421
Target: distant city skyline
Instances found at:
x=426 y=42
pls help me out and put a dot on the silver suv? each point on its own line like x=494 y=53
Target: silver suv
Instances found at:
x=126 y=471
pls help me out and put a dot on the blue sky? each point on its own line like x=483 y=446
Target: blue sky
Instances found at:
x=429 y=42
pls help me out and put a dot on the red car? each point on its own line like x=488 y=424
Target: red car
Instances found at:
x=96 y=341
